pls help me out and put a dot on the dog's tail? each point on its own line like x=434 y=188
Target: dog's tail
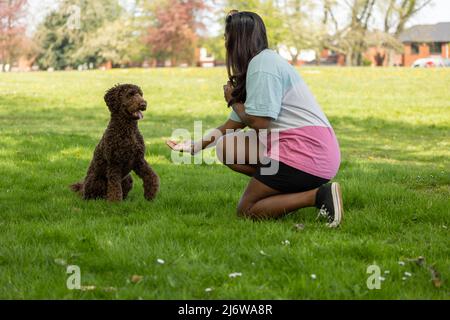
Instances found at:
x=77 y=187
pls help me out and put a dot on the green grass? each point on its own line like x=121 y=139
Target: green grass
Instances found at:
x=394 y=129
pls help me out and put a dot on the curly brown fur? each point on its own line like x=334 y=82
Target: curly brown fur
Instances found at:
x=120 y=151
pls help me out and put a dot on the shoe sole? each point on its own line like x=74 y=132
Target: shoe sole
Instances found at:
x=338 y=205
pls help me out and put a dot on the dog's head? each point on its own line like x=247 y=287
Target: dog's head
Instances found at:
x=126 y=100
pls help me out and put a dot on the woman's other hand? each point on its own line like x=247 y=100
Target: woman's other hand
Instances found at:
x=227 y=91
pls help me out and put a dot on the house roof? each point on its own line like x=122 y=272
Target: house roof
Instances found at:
x=427 y=33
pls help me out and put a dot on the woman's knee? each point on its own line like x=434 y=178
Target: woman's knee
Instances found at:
x=244 y=210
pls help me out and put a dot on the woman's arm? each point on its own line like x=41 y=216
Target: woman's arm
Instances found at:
x=254 y=122
x=194 y=147
x=211 y=137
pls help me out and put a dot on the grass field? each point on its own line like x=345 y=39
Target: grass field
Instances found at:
x=394 y=129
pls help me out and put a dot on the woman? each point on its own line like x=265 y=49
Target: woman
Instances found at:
x=266 y=92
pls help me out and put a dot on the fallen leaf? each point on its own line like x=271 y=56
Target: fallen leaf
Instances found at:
x=136 y=278
x=436 y=277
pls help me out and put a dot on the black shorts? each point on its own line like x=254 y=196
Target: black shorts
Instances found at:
x=289 y=179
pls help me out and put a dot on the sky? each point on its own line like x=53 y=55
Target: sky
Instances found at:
x=439 y=11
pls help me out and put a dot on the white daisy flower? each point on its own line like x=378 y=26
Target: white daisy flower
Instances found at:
x=235 y=274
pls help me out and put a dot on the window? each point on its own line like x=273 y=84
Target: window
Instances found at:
x=415 y=48
x=435 y=48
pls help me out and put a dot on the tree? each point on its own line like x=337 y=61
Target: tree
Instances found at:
x=399 y=12
x=360 y=29
x=396 y=14
x=65 y=31
x=385 y=44
x=119 y=42
x=301 y=31
x=351 y=39
x=216 y=46
x=173 y=33
x=269 y=10
x=12 y=30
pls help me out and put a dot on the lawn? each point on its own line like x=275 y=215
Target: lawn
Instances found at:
x=394 y=129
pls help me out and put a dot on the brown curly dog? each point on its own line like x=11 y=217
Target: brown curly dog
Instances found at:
x=120 y=150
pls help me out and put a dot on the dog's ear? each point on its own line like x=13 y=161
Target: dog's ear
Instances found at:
x=112 y=98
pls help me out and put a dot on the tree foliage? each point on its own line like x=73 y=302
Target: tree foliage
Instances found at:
x=12 y=30
x=173 y=32
x=63 y=35
x=174 y=29
x=360 y=29
x=300 y=31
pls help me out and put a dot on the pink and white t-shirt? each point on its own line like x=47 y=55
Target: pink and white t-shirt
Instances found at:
x=304 y=138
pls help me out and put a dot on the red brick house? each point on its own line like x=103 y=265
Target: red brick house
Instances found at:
x=423 y=41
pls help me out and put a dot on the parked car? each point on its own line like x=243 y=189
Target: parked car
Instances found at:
x=432 y=62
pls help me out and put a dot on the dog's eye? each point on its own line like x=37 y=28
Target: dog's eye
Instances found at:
x=131 y=93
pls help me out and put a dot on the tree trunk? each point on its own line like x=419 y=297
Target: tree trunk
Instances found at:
x=349 y=58
x=379 y=59
x=318 y=56
x=294 y=59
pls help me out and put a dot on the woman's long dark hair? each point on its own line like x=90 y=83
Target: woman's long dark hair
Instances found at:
x=245 y=37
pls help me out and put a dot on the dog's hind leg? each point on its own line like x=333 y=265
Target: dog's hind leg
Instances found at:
x=127 y=185
x=94 y=188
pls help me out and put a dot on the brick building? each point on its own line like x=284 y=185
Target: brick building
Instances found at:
x=423 y=41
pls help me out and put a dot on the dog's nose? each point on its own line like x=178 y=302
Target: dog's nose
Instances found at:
x=143 y=105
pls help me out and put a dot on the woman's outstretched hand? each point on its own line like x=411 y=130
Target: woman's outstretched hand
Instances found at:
x=186 y=146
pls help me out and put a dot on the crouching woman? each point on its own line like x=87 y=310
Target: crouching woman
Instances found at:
x=291 y=166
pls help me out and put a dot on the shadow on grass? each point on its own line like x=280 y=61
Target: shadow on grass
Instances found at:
x=380 y=157
x=36 y=185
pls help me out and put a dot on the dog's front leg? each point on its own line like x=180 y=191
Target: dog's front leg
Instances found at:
x=114 y=190
x=149 y=177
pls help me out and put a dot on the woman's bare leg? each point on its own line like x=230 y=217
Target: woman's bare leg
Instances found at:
x=258 y=201
x=262 y=202
x=240 y=151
